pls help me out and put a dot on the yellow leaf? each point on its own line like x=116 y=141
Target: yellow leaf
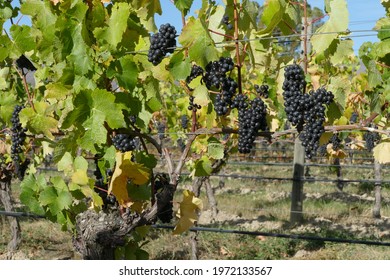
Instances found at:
x=188 y=212
x=382 y=152
x=339 y=153
x=80 y=177
x=126 y=170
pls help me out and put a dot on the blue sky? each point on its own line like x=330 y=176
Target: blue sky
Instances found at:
x=363 y=15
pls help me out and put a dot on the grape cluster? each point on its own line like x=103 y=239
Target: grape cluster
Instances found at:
x=193 y=106
x=371 y=138
x=226 y=21
x=353 y=118
x=164 y=211
x=314 y=118
x=133 y=119
x=18 y=137
x=322 y=150
x=305 y=111
x=184 y=121
x=161 y=43
x=262 y=90
x=216 y=72
x=294 y=88
x=251 y=119
x=195 y=72
x=224 y=99
x=161 y=130
x=124 y=142
x=335 y=141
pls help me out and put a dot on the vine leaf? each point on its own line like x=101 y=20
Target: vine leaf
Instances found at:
x=338 y=22
x=196 y=38
x=92 y=110
x=184 y=5
x=272 y=15
x=382 y=152
x=188 y=212
x=126 y=170
x=202 y=167
x=39 y=121
x=117 y=25
x=215 y=149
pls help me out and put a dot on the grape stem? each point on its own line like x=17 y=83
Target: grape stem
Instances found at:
x=238 y=60
x=221 y=34
x=29 y=96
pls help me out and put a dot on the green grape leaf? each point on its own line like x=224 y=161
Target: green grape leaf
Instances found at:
x=201 y=95
x=57 y=91
x=374 y=76
x=92 y=110
x=338 y=22
x=39 y=121
x=179 y=66
x=29 y=196
x=48 y=196
x=183 y=5
x=5 y=47
x=117 y=24
x=21 y=35
x=272 y=15
x=203 y=167
x=196 y=38
x=215 y=149
x=146 y=159
x=128 y=72
x=154 y=104
x=81 y=61
x=341 y=87
x=7 y=105
x=41 y=13
x=343 y=51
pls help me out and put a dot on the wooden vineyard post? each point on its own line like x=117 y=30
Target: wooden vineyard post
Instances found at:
x=376 y=212
x=296 y=215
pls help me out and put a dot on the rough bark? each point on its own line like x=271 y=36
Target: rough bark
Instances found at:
x=6 y=200
x=211 y=199
x=98 y=234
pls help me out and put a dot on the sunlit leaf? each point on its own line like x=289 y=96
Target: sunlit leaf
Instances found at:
x=382 y=152
x=188 y=212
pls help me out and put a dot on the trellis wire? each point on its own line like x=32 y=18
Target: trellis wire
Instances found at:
x=280 y=235
x=242 y=232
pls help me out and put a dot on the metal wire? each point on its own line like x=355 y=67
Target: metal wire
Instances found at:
x=280 y=235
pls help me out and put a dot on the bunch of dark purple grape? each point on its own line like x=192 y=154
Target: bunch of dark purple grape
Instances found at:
x=305 y=111
x=262 y=90
x=161 y=43
x=216 y=72
x=196 y=71
x=124 y=142
x=193 y=106
x=251 y=119
x=225 y=20
x=372 y=139
x=18 y=137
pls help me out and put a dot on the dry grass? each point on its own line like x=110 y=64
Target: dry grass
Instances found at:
x=259 y=206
